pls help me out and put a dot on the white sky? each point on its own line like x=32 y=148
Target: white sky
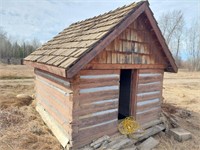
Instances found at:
x=43 y=19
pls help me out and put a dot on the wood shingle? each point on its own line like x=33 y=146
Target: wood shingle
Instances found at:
x=78 y=38
x=77 y=45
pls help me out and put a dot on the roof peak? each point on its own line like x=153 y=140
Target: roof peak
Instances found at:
x=133 y=4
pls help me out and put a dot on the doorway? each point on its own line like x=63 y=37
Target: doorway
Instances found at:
x=125 y=93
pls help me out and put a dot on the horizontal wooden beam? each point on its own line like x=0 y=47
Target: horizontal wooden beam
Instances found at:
x=123 y=66
x=52 y=69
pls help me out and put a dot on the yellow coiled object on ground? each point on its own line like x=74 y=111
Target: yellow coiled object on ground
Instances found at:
x=128 y=126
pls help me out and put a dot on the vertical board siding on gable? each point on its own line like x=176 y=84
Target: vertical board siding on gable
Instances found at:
x=98 y=104
x=135 y=45
x=149 y=95
x=55 y=95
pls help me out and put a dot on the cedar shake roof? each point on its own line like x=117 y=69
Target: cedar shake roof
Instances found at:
x=80 y=38
x=70 y=44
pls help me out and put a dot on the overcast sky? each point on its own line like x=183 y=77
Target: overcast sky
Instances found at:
x=43 y=19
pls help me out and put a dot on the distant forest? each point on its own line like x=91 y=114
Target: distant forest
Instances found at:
x=9 y=49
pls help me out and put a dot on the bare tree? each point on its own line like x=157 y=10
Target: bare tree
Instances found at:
x=10 y=49
x=2 y=33
x=193 y=46
x=172 y=26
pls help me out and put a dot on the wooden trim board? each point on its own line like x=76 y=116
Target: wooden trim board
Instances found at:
x=161 y=39
x=123 y=66
x=134 y=85
x=53 y=69
x=57 y=130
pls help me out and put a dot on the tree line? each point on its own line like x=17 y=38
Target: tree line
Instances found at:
x=9 y=49
x=182 y=39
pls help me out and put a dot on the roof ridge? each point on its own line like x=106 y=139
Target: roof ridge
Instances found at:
x=111 y=11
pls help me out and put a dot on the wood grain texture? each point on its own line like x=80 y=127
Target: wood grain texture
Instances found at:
x=134 y=87
x=105 y=42
x=90 y=132
x=149 y=94
x=85 y=141
x=148 y=106
x=55 y=70
x=95 y=110
x=65 y=99
x=148 y=97
x=86 y=122
x=54 y=78
x=123 y=66
x=132 y=47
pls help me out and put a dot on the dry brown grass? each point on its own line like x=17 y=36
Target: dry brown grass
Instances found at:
x=15 y=72
x=182 y=99
x=21 y=127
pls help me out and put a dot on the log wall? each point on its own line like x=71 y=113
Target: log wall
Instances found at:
x=55 y=95
x=149 y=95
x=96 y=101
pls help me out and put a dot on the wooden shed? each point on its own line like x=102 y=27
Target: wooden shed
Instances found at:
x=100 y=70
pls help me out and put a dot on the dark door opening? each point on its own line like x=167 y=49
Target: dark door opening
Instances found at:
x=125 y=93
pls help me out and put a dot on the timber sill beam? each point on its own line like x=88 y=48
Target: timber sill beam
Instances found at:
x=55 y=70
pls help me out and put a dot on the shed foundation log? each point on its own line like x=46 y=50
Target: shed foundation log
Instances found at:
x=172 y=121
x=149 y=132
x=100 y=140
x=151 y=124
x=148 y=144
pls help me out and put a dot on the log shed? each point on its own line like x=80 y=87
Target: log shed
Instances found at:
x=100 y=70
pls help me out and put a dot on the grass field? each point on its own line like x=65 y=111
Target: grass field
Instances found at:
x=22 y=128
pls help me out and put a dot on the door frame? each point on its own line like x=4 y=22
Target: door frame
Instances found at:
x=134 y=87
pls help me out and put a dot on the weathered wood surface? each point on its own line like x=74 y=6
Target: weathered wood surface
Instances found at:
x=148 y=132
x=55 y=70
x=135 y=45
x=53 y=77
x=134 y=86
x=56 y=99
x=96 y=104
x=151 y=123
x=113 y=34
x=149 y=95
x=62 y=136
x=148 y=144
x=90 y=138
x=100 y=140
x=123 y=66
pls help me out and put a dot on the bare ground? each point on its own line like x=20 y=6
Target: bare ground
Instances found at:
x=22 y=128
